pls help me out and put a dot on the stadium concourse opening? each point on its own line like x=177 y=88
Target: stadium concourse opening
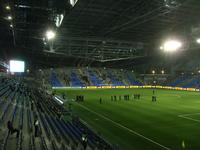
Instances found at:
x=99 y=75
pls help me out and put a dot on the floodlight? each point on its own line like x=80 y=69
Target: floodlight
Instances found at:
x=9 y=17
x=163 y=72
x=198 y=40
x=171 y=3
x=73 y=2
x=11 y=25
x=172 y=45
x=199 y=71
x=7 y=7
x=153 y=71
x=59 y=19
x=50 y=34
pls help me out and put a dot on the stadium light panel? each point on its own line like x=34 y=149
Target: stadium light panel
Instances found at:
x=172 y=45
x=58 y=100
x=17 y=66
x=198 y=40
x=50 y=35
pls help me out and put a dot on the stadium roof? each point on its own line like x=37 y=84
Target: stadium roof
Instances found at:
x=93 y=30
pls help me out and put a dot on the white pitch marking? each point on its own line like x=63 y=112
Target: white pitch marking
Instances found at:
x=192 y=114
x=134 y=132
x=196 y=120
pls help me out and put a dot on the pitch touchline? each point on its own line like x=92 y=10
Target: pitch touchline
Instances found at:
x=118 y=124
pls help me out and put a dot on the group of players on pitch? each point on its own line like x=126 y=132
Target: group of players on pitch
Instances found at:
x=127 y=97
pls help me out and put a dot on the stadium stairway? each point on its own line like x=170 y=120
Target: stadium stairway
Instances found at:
x=113 y=79
x=99 y=73
x=83 y=76
x=121 y=76
x=94 y=78
x=62 y=77
x=75 y=81
x=55 y=81
x=132 y=80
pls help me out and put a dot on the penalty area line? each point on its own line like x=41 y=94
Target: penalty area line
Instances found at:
x=188 y=118
x=126 y=128
x=192 y=114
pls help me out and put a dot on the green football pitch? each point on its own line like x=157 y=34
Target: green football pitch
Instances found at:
x=170 y=123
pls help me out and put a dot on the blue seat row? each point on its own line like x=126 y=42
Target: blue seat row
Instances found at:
x=58 y=125
x=53 y=128
x=47 y=131
x=44 y=145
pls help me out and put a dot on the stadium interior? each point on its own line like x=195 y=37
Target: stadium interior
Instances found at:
x=99 y=74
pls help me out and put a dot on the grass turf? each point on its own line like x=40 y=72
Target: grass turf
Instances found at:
x=123 y=122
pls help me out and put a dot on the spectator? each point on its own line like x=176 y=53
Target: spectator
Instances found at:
x=84 y=141
x=36 y=125
x=60 y=115
x=32 y=105
x=12 y=129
